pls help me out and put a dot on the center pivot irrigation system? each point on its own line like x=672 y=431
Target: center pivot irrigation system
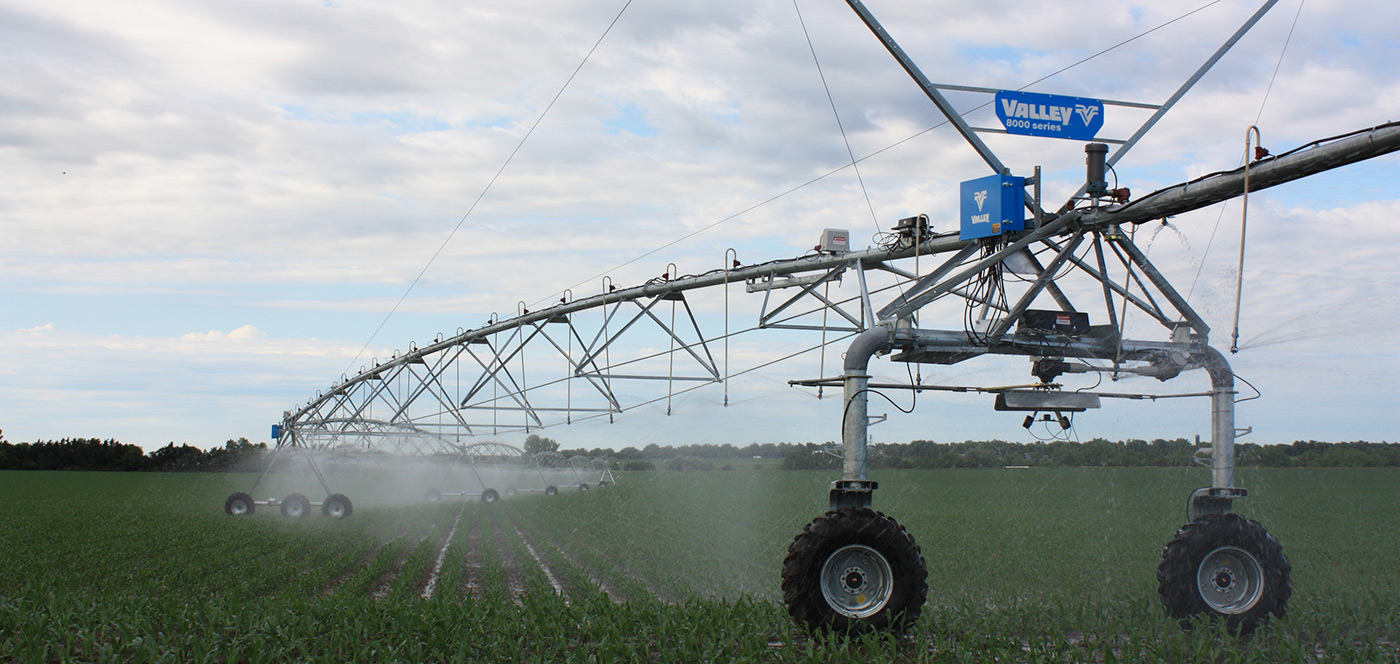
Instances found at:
x=1009 y=272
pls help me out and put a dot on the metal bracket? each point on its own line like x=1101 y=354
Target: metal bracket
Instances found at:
x=852 y=493
x=1214 y=500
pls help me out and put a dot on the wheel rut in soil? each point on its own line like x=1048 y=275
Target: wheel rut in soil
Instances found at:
x=384 y=585
x=349 y=572
x=515 y=577
x=651 y=588
x=608 y=589
x=565 y=588
x=428 y=585
x=474 y=560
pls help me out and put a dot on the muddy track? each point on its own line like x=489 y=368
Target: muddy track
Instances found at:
x=383 y=586
x=561 y=586
x=475 y=562
x=651 y=588
x=515 y=576
x=428 y=584
x=349 y=572
x=613 y=593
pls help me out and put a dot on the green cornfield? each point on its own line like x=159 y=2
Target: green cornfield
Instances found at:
x=1024 y=565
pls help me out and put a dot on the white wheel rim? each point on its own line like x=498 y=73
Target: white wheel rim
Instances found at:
x=856 y=581
x=1230 y=580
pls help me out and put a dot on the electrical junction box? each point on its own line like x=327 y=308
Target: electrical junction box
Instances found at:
x=835 y=241
x=1071 y=323
x=992 y=206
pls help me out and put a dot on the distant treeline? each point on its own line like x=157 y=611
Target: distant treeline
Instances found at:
x=95 y=454
x=242 y=455
x=1098 y=452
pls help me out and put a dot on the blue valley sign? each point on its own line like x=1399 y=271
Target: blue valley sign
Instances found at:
x=1055 y=116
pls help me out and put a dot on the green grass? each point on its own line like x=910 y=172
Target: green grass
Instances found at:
x=1052 y=565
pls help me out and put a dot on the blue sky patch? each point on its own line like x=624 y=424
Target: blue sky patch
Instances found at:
x=631 y=119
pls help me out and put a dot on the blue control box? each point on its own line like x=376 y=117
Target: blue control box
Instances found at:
x=991 y=206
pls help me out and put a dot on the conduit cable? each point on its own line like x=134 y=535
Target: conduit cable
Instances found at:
x=1249 y=134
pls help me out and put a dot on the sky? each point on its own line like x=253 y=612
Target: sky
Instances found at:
x=209 y=209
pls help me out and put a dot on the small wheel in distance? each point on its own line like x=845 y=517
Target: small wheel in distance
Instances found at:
x=854 y=570
x=490 y=496
x=295 y=505
x=510 y=491
x=1224 y=566
x=337 y=506
x=551 y=490
x=602 y=484
x=432 y=495
x=239 y=504
x=583 y=486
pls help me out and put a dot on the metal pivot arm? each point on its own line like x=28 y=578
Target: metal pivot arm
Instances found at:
x=854 y=489
x=928 y=87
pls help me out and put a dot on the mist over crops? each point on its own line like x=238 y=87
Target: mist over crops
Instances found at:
x=1036 y=564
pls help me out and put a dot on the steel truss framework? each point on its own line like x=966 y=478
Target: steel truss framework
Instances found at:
x=498 y=377
x=627 y=348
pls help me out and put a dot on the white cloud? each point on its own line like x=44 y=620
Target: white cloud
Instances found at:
x=278 y=171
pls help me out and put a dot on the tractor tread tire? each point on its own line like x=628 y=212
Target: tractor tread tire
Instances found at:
x=837 y=528
x=231 y=505
x=1182 y=556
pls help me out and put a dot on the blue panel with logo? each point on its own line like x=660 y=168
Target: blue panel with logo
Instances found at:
x=1055 y=116
x=276 y=432
x=992 y=205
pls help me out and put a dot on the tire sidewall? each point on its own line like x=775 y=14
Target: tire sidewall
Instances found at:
x=823 y=537
x=1182 y=558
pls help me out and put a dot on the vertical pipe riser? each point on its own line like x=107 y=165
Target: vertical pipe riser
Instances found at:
x=855 y=427
x=1222 y=465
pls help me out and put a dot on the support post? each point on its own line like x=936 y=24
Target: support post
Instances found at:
x=1221 y=494
x=854 y=489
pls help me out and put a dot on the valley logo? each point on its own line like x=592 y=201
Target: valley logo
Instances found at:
x=1054 y=116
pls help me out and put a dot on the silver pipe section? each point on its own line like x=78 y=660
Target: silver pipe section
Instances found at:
x=1222 y=420
x=718 y=277
x=1181 y=198
x=855 y=418
x=1377 y=141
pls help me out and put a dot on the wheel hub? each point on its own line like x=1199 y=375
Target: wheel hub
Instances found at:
x=856 y=581
x=1230 y=580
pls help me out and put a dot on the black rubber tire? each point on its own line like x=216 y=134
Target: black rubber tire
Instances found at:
x=1177 y=576
x=337 y=506
x=823 y=537
x=490 y=496
x=296 y=505
x=551 y=490
x=240 y=504
x=510 y=491
x=603 y=484
x=583 y=486
x=432 y=495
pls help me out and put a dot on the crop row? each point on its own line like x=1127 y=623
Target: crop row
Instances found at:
x=1041 y=565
